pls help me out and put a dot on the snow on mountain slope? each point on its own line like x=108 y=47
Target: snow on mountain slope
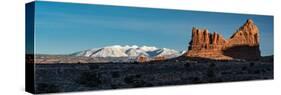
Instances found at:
x=165 y=52
x=129 y=51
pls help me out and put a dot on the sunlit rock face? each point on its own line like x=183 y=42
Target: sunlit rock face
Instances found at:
x=243 y=44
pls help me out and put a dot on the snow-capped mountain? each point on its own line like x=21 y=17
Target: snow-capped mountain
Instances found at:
x=129 y=51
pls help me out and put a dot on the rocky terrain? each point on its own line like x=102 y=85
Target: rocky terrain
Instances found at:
x=50 y=78
x=243 y=44
x=67 y=59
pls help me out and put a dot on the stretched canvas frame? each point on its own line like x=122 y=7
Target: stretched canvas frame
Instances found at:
x=81 y=47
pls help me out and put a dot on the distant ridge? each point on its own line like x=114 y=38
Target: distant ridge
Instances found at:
x=132 y=52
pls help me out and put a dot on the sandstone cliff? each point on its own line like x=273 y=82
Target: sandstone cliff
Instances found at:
x=243 y=44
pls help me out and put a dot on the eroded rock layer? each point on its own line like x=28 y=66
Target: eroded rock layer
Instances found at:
x=243 y=44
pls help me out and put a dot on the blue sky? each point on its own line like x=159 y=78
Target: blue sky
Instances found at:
x=62 y=28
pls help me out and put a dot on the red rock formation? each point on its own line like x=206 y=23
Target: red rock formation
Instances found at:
x=142 y=59
x=243 y=44
x=159 y=58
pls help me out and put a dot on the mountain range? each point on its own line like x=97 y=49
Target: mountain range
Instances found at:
x=132 y=52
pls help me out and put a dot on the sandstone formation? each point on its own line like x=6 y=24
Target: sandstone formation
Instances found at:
x=159 y=58
x=243 y=44
x=142 y=59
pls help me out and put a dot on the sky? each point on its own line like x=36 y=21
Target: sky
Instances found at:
x=64 y=28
